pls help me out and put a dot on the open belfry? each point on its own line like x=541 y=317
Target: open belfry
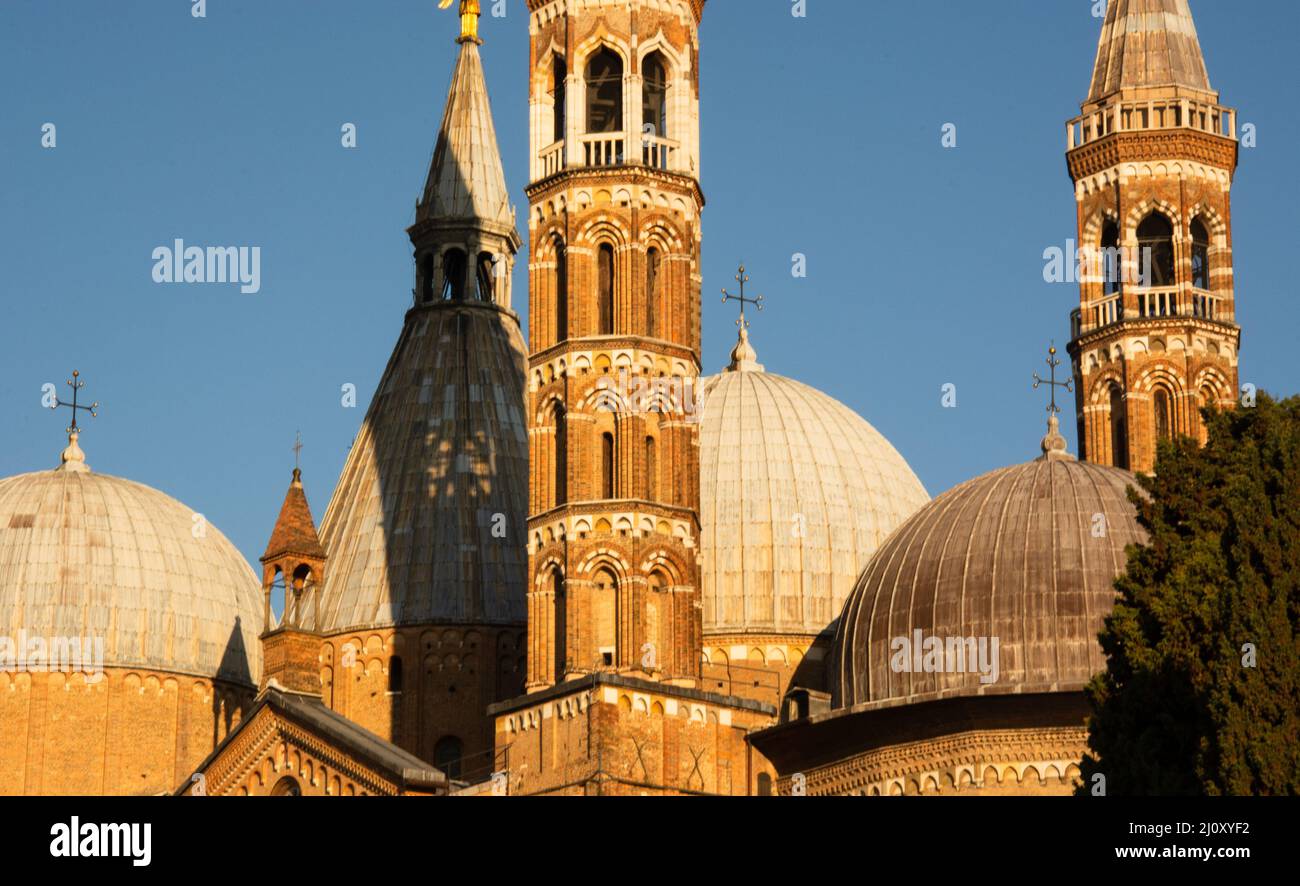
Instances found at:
x=1152 y=158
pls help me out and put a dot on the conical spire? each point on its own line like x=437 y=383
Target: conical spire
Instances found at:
x=466 y=181
x=295 y=530
x=1145 y=44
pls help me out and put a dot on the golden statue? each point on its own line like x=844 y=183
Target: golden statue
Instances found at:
x=469 y=13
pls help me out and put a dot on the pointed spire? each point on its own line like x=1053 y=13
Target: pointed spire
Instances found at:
x=466 y=181
x=1145 y=44
x=295 y=530
x=743 y=356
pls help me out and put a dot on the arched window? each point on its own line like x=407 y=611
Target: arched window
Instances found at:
x=1156 y=234
x=287 y=787
x=426 y=277
x=651 y=471
x=605 y=92
x=605 y=609
x=561 y=456
x=1118 y=428
x=605 y=289
x=561 y=291
x=651 y=292
x=1112 y=263
x=394 y=674
x=654 y=96
x=1162 y=409
x=447 y=755
x=1200 y=256
x=453 y=275
x=486 y=276
x=561 y=624
x=560 y=72
x=607 y=466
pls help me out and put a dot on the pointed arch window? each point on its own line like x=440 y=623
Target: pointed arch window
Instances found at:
x=561 y=456
x=1118 y=429
x=1112 y=263
x=1162 y=408
x=604 y=79
x=607 y=452
x=1156 y=234
x=560 y=73
x=652 y=293
x=453 y=275
x=605 y=289
x=1200 y=255
x=654 y=96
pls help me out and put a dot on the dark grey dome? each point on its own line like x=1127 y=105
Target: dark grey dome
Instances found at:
x=1026 y=555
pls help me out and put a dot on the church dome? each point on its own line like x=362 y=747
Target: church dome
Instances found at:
x=85 y=555
x=796 y=493
x=1027 y=555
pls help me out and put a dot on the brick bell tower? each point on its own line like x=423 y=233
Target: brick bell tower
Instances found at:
x=1152 y=159
x=614 y=226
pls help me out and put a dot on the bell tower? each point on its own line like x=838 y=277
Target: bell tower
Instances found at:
x=1152 y=158
x=614 y=228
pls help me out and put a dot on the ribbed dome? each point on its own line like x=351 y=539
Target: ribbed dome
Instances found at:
x=796 y=493
x=84 y=555
x=1027 y=554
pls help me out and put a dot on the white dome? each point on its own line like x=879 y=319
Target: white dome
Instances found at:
x=797 y=492
x=84 y=555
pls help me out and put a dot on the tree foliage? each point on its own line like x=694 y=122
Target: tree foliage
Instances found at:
x=1183 y=708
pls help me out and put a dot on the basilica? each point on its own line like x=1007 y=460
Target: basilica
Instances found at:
x=529 y=581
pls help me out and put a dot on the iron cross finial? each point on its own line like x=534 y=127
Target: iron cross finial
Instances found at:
x=742 y=278
x=1052 y=383
x=76 y=384
x=297 y=451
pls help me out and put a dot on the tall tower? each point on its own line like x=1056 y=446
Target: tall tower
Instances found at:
x=1152 y=158
x=614 y=330
x=423 y=612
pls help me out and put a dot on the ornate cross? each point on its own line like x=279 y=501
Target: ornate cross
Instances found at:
x=742 y=279
x=1052 y=383
x=76 y=384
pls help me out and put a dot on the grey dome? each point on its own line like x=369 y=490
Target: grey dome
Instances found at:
x=1011 y=555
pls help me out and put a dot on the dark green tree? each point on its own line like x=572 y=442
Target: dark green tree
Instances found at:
x=1183 y=707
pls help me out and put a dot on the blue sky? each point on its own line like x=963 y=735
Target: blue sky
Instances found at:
x=820 y=136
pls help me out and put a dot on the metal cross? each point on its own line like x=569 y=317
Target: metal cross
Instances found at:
x=76 y=384
x=297 y=451
x=742 y=279
x=1052 y=383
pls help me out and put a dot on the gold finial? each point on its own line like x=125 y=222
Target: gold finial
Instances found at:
x=469 y=13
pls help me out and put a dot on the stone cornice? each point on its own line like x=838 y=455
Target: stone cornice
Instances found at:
x=1140 y=146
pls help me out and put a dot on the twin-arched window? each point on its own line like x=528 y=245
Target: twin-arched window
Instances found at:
x=1156 y=234
x=1200 y=255
x=604 y=78
x=1111 y=259
x=654 y=96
